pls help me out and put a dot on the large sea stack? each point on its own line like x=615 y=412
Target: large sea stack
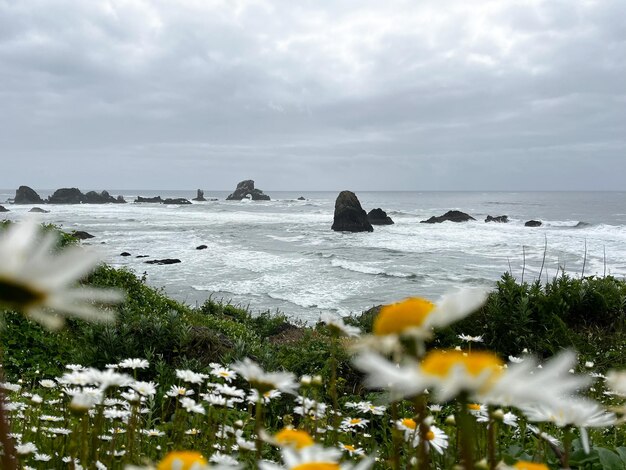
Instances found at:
x=245 y=189
x=451 y=216
x=349 y=215
x=26 y=195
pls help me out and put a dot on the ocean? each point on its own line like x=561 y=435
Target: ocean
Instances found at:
x=282 y=255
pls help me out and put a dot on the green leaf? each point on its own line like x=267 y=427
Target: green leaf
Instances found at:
x=610 y=460
x=622 y=454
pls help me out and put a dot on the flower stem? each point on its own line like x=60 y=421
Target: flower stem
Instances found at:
x=491 y=441
x=258 y=426
x=396 y=439
x=465 y=426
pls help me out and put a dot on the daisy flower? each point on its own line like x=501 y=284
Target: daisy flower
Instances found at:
x=337 y=326
x=579 y=412
x=190 y=376
x=616 y=381
x=418 y=317
x=470 y=339
x=351 y=449
x=40 y=282
x=265 y=381
x=223 y=372
x=349 y=424
x=296 y=438
x=134 y=363
x=314 y=457
x=183 y=460
x=437 y=439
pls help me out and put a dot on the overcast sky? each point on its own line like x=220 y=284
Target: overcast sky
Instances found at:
x=306 y=95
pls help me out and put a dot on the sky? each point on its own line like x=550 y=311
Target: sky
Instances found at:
x=313 y=95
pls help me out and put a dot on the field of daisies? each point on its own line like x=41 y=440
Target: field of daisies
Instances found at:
x=100 y=371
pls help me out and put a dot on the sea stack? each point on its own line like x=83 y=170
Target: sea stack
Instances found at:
x=26 y=195
x=245 y=189
x=379 y=217
x=200 y=196
x=349 y=215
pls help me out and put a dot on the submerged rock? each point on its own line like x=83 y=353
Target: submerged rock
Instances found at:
x=152 y=200
x=125 y=253
x=246 y=189
x=163 y=261
x=199 y=196
x=379 y=217
x=39 y=210
x=201 y=247
x=533 y=223
x=451 y=216
x=26 y=195
x=349 y=215
x=301 y=198
x=503 y=219
x=4 y=209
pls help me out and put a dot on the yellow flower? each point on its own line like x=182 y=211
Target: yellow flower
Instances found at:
x=409 y=423
x=293 y=438
x=442 y=363
x=402 y=316
x=182 y=460
x=317 y=466
x=523 y=465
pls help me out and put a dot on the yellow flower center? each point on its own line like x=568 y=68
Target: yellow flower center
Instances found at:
x=349 y=447
x=474 y=406
x=317 y=466
x=294 y=438
x=224 y=374
x=18 y=295
x=523 y=465
x=175 y=459
x=409 y=423
x=399 y=317
x=430 y=436
x=441 y=362
x=355 y=420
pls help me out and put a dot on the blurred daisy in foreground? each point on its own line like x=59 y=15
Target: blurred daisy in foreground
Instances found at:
x=314 y=457
x=579 y=412
x=337 y=326
x=265 y=381
x=481 y=374
x=39 y=282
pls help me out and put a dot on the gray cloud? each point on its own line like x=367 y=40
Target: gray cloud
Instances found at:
x=525 y=94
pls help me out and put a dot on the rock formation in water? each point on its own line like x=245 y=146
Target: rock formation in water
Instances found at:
x=379 y=217
x=452 y=216
x=533 y=223
x=503 y=219
x=4 y=209
x=200 y=196
x=26 y=195
x=177 y=200
x=246 y=189
x=349 y=215
x=82 y=235
x=152 y=200
x=39 y=210
x=163 y=261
